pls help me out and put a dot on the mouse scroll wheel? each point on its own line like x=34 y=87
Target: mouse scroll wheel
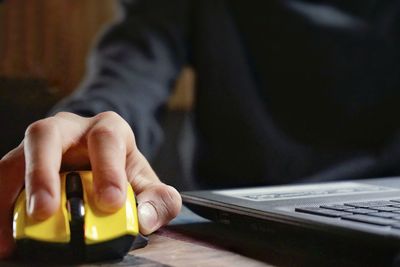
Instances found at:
x=74 y=194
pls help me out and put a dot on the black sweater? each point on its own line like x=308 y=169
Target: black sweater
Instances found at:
x=286 y=90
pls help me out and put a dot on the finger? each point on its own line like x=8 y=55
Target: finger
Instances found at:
x=44 y=144
x=75 y=155
x=108 y=142
x=43 y=153
x=158 y=203
x=11 y=182
x=140 y=173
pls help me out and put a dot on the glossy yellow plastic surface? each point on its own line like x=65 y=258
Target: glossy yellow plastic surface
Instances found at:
x=98 y=226
x=101 y=227
x=55 y=229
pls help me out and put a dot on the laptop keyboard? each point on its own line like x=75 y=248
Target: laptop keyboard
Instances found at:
x=380 y=212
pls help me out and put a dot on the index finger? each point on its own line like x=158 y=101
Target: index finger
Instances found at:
x=44 y=144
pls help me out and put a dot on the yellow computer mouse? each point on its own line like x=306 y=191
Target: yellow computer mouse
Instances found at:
x=77 y=231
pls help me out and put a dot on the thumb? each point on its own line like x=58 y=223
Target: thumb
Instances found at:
x=157 y=205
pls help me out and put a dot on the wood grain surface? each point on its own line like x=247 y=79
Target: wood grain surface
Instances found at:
x=179 y=253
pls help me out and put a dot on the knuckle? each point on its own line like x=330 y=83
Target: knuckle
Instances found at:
x=41 y=126
x=114 y=117
x=62 y=114
x=175 y=201
x=33 y=180
x=171 y=201
x=33 y=174
x=102 y=131
x=65 y=115
x=38 y=178
x=111 y=176
x=113 y=125
x=109 y=115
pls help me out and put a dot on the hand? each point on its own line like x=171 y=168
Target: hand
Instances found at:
x=106 y=144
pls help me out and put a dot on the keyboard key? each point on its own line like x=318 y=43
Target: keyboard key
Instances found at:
x=336 y=207
x=386 y=208
x=370 y=220
x=396 y=225
x=361 y=211
x=384 y=214
x=367 y=204
x=395 y=200
x=323 y=212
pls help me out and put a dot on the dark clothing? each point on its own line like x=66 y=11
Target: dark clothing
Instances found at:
x=286 y=90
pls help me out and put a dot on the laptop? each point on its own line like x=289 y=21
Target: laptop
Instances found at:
x=364 y=212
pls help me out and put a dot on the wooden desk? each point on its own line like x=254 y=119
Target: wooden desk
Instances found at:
x=174 y=245
x=172 y=251
x=192 y=241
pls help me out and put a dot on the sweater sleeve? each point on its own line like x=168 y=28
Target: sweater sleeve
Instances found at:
x=133 y=66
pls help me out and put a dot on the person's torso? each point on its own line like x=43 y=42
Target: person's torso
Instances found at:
x=289 y=88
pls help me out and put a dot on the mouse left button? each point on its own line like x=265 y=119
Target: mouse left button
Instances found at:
x=41 y=239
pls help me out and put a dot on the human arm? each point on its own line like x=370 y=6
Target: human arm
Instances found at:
x=132 y=71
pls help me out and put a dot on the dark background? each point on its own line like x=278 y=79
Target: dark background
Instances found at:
x=43 y=49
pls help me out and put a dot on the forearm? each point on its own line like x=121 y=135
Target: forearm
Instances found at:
x=133 y=68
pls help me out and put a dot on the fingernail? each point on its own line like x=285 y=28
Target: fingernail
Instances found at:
x=148 y=217
x=38 y=202
x=109 y=198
